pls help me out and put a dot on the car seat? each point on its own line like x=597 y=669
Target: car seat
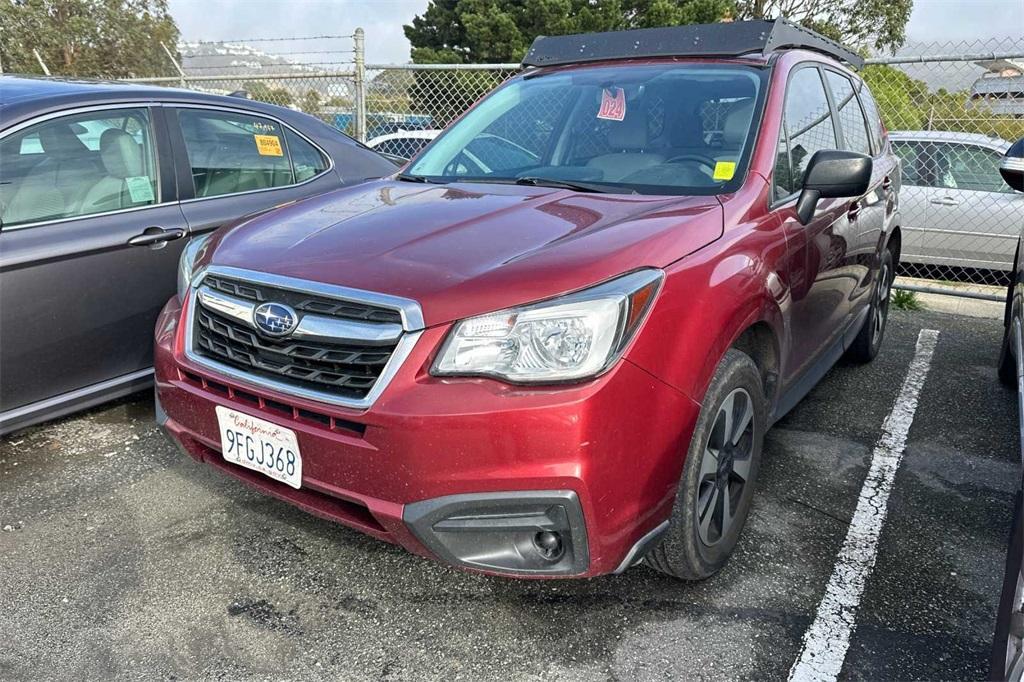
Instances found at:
x=122 y=158
x=629 y=137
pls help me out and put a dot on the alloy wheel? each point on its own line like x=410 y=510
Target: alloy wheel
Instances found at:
x=725 y=467
x=881 y=308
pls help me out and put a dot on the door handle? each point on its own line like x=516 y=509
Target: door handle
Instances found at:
x=156 y=235
x=946 y=201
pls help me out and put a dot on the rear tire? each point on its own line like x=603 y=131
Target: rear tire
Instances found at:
x=1007 y=363
x=717 y=484
x=869 y=339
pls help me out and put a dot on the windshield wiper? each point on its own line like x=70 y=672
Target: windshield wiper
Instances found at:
x=418 y=178
x=566 y=184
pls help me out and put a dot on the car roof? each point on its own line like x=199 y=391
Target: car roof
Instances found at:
x=949 y=136
x=23 y=96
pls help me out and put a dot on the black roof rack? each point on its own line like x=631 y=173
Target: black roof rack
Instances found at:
x=726 y=39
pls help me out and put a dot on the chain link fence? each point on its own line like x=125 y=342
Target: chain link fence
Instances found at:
x=951 y=111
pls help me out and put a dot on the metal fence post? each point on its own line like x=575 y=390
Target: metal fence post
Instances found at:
x=360 y=86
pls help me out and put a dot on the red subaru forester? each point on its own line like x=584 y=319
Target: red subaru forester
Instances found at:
x=552 y=345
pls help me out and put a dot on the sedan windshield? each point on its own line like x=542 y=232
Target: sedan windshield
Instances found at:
x=651 y=129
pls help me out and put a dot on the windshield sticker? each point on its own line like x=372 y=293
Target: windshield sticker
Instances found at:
x=268 y=145
x=724 y=170
x=140 y=189
x=613 y=104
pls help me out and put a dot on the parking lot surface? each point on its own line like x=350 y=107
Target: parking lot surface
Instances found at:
x=121 y=558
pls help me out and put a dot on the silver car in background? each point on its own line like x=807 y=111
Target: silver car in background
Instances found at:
x=957 y=212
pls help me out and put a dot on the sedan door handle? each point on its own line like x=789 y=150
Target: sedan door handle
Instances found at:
x=946 y=201
x=156 y=235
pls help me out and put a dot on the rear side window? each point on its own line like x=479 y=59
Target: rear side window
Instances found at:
x=851 y=118
x=232 y=152
x=78 y=165
x=874 y=120
x=307 y=161
x=808 y=128
x=914 y=164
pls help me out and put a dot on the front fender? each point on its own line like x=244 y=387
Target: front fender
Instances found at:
x=709 y=299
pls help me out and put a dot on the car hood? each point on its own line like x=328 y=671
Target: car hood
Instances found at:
x=463 y=249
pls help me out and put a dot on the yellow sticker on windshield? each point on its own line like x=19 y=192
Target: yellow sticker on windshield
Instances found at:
x=724 y=170
x=268 y=145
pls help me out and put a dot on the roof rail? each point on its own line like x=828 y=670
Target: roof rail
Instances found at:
x=725 y=39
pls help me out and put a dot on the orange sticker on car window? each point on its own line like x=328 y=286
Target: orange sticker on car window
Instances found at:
x=268 y=145
x=613 y=104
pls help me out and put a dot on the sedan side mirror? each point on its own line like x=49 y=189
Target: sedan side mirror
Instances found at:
x=832 y=174
x=1012 y=166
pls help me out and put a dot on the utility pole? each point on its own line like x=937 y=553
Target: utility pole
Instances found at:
x=360 y=85
x=41 y=62
x=177 y=66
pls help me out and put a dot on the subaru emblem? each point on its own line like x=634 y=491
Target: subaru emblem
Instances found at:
x=275 y=319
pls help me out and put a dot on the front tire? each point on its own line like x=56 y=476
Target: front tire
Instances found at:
x=722 y=462
x=869 y=340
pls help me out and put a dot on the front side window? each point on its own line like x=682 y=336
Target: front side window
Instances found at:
x=851 y=118
x=808 y=124
x=78 y=165
x=973 y=168
x=232 y=152
x=651 y=129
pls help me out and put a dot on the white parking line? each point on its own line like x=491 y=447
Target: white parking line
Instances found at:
x=827 y=640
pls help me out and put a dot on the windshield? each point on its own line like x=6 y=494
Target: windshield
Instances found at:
x=651 y=129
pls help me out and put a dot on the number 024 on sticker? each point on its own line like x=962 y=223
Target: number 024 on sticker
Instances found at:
x=613 y=104
x=268 y=145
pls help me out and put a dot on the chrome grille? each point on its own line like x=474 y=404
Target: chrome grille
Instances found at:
x=301 y=301
x=338 y=350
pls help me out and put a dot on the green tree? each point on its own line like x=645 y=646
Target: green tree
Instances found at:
x=880 y=24
x=481 y=31
x=901 y=99
x=104 y=38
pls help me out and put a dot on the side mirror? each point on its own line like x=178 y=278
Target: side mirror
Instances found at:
x=1012 y=166
x=831 y=174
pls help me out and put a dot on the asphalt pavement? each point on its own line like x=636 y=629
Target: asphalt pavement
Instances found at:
x=120 y=558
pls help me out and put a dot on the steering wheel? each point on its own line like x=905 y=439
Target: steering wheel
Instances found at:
x=703 y=160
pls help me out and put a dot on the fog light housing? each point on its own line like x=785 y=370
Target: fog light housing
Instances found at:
x=523 y=533
x=549 y=545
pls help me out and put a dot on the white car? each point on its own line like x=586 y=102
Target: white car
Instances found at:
x=956 y=209
x=404 y=144
x=484 y=155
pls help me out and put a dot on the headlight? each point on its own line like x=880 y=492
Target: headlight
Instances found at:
x=569 y=338
x=187 y=262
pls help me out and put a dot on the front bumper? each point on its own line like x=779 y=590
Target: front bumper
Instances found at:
x=439 y=466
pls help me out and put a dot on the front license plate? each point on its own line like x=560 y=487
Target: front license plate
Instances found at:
x=260 y=445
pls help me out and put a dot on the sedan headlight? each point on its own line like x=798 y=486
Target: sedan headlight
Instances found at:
x=186 y=264
x=569 y=338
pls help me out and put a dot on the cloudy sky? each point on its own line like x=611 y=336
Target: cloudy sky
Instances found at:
x=945 y=20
